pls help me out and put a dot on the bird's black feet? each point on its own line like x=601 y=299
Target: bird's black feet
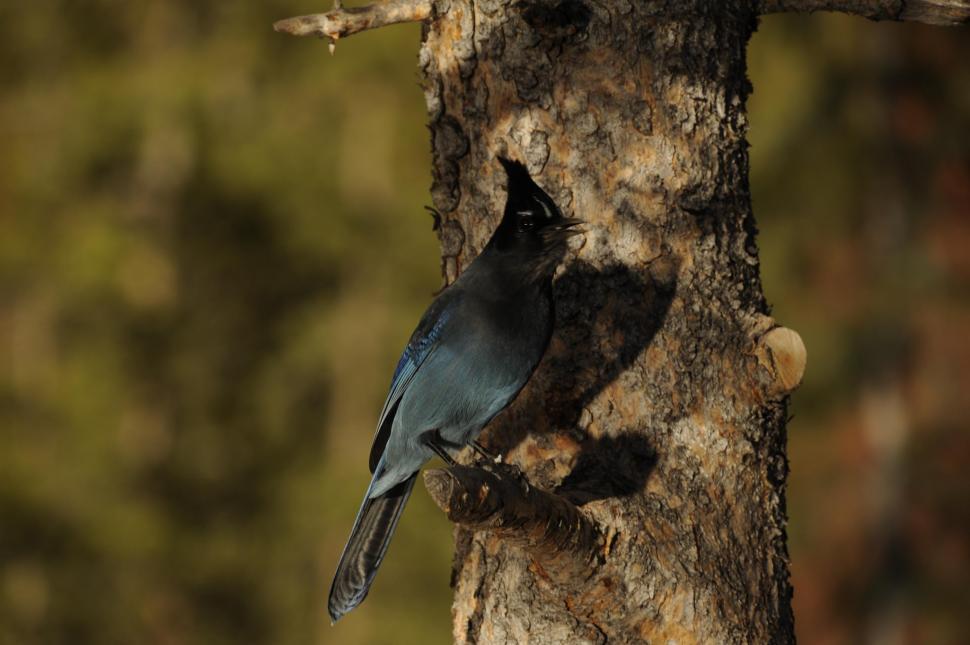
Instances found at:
x=512 y=471
x=496 y=465
x=485 y=454
x=437 y=446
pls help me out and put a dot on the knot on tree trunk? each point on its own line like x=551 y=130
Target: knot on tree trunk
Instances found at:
x=782 y=352
x=563 y=540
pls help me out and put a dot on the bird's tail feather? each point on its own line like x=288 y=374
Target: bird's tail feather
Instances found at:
x=366 y=546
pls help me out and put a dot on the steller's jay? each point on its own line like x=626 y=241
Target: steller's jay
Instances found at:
x=473 y=351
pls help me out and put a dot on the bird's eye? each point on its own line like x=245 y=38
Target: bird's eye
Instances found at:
x=526 y=221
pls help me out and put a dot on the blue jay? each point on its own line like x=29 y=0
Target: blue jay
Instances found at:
x=473 y=351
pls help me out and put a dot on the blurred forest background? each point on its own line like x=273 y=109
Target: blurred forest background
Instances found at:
x=212 y=249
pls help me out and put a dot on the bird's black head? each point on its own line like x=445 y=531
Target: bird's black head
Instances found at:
x=532 y=226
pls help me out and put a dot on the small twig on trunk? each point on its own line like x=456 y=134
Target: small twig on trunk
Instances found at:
x=562 y=539
x=932 y=12
x=341 y=22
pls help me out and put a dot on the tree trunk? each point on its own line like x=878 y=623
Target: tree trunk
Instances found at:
x=656 y=408
x=654 y=428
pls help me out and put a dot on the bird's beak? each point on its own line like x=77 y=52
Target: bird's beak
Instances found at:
x=559 y=232
x=570 y=226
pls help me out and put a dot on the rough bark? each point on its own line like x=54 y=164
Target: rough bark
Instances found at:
x=658 y=408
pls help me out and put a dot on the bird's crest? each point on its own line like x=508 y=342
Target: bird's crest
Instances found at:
x=515 y=170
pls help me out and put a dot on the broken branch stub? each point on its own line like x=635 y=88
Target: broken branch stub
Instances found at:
x=564 y=541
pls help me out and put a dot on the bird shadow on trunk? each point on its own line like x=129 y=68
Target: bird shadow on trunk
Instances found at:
x=605 y=319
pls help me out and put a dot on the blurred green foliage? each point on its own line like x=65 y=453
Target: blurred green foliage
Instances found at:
x=860 y=157
x=212 y=248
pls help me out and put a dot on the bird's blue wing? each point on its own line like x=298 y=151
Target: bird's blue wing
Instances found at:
x=423 y=342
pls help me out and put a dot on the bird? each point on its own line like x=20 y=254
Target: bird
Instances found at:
x=472 y=352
